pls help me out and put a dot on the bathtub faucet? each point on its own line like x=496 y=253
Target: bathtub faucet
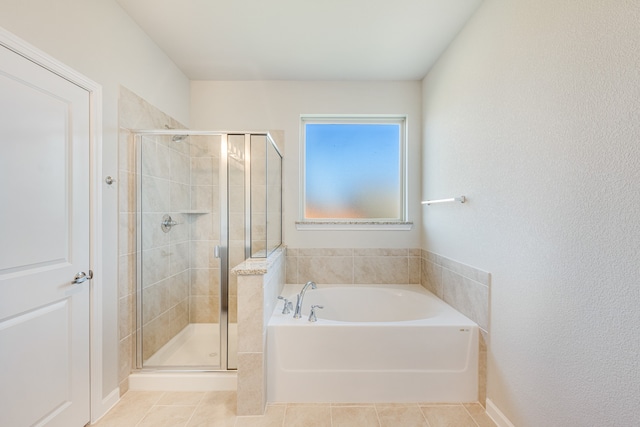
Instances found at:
x=298 y=311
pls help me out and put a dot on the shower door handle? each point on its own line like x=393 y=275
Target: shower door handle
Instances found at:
x=216 y=251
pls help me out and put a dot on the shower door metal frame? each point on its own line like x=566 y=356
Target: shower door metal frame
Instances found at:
x=223 y=249
x=224 y=234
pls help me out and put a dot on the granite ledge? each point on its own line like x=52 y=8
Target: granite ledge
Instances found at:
x=258 y=266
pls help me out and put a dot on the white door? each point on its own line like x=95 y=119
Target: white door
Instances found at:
x=44 y=243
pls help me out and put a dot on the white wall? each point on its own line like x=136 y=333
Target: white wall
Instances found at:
x=97 y=39
x=266 y=105
x=534 y=114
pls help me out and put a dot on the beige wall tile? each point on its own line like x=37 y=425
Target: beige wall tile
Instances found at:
x=465 y=270
x=204 y=309
x=381 y=270
x=432 y=277
x=415 y=266
x=126 y=274
x=203 y=196
x=152 y=234
x=180 y=165
x=126 y=234
x=180 y=233
x=179 y=258
x=179 y=197
x=325 y=269
x=380 y=252
x=304 y=252
x=202 y=171
x=482 y=369
x=124 y=359
x=155 y=265
x=250 y=318
x=251 y=384
x=469 y=297
x=205 y=281
x=125 y=316
x=156 y=195
x=205 y=145
x=292 y=269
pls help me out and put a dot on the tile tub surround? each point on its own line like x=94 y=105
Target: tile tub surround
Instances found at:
x=354 y=266
x=259 y=281
x=467 y=289
x=463 y=287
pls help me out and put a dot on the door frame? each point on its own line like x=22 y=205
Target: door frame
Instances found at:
x=99 y=406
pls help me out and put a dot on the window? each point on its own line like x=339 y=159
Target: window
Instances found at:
x=353 y=169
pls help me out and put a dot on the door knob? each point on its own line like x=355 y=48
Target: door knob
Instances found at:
x=82 y=277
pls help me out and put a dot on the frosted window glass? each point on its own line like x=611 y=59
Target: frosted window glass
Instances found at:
x=353 y=171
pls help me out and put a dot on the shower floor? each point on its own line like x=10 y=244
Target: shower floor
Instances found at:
x=198 y=344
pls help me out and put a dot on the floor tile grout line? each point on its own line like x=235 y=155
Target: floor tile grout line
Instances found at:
x=149 y=409
x=471 y=415
x=424 y=416
x=375 y=407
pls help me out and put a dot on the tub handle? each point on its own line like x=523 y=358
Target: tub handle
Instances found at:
x=312 y=315
x=288 y=305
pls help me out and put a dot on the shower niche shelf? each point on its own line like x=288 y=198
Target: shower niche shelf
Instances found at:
x=194 y=212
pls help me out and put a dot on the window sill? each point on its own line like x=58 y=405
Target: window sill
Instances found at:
x=354 y=225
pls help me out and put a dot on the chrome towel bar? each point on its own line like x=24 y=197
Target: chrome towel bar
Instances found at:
x=460 y=199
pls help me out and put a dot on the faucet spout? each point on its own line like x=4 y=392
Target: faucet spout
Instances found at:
x=298 y=312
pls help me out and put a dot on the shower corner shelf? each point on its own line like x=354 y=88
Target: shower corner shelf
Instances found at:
x=194 y=212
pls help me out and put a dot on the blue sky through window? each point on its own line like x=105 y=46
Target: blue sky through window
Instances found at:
x=352 y=171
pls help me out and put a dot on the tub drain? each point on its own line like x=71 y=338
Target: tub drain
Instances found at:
x=213 y=354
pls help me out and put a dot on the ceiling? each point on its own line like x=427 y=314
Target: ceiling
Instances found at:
x=301 y=39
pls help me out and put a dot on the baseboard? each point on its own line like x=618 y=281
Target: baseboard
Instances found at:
x=106 y=404
x=497 y=416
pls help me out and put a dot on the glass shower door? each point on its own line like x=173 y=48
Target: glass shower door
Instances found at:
x=182 y=236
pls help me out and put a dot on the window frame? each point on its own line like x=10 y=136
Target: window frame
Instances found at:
x=353 y=223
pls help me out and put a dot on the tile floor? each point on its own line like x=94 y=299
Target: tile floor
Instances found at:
x=218 y=408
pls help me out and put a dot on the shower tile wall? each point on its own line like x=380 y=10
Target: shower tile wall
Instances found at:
x=180 y=274
x=133 y=113
x=165 y=256
x=204 y=223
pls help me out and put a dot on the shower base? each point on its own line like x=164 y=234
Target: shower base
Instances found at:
x=189 y=362
x=198 y=344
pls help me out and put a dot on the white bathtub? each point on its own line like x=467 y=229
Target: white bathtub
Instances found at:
x=372 y=343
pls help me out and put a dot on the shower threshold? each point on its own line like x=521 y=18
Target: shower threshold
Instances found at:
x=183 y=363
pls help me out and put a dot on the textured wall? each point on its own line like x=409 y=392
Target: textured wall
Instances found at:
x=534 y=114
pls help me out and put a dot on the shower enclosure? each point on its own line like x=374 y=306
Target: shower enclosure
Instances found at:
x=206 y=201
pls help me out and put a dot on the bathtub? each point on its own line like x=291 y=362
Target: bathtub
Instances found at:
x=371 y=343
